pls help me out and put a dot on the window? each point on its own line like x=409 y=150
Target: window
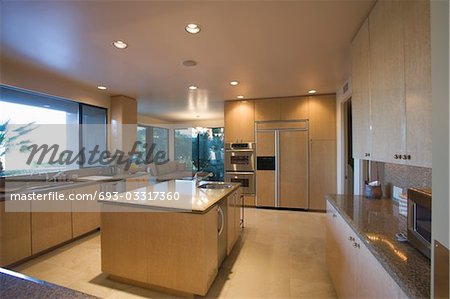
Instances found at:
x=157 y=141
x=201 y=149
x=24 y=114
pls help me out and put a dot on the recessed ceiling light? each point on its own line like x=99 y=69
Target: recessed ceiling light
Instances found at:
x=312 y=91
x=234 y=83
x=192 y=28
x=101 y=87
x=192 y=87
x=240 y=97
x=189 y=63
x=119 y=44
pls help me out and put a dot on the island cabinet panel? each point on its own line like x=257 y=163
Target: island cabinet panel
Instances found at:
x=51 y=223
x=361 y=116
x=267 y=109
x=294 y=108
x=15 y=235
x=234 y=203
x=239 y=121
x=353 y=269
x=86 y=213
x=177 y=251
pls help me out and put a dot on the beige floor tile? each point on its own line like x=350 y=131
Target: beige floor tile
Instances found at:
x=280 y=254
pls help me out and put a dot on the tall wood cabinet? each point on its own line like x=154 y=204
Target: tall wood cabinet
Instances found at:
x=392 y=114
x=239 y=121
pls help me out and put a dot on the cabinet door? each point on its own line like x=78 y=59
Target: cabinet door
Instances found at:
x=372 y=281
x=268 y=109
x=265 y=179
x=322 y=172
x=86 y=213
x=418 y=82
x=387 y=82
x=51 y=223
x=230 y=221
x=322 y=117
x=293 y=169
x=15 y=235
x=361 y=117
x=239 y=121
x=294 y=108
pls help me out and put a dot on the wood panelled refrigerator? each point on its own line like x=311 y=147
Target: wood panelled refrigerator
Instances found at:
x=282 y=161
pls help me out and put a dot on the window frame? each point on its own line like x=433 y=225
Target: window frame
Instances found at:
x=147 y=134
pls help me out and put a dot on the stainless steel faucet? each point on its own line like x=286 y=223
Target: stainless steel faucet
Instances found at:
x=200 y=176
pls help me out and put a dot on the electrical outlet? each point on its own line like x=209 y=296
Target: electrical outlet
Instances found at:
x=396 y=192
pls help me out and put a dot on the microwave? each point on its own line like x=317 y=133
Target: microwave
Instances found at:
x=419 y=220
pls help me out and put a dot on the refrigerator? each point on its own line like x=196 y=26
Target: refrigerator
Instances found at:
x=282 y=164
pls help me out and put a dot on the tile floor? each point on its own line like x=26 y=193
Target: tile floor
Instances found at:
x=281 y=254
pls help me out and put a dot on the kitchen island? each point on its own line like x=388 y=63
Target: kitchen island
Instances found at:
x=169 y=244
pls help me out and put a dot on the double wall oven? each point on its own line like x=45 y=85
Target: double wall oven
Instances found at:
x=240 y=165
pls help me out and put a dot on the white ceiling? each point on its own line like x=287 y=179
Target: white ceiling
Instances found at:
x=274 y=48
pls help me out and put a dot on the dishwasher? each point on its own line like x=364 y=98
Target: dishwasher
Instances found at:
x=222 y=231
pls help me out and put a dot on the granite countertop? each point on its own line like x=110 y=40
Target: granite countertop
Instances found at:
x=16 y=285
x=377 y=222
x=191 y=198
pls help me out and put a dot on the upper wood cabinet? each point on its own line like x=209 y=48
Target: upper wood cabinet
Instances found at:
x=239 y=121
x=387 y=81
x=267 y=109
x=392 y=114
x=322 y=117
x=418 y=82
x=362 y=141
x=294 y=108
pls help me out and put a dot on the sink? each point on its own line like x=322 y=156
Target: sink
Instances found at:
x=215 y=186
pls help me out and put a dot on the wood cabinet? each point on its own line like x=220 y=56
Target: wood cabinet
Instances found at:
x=387 y=81
x=294 y=108
x=354 y=271
x=267 y=109
x=392 y=116
x=239 y=121
x=175 y=251
x=417 y=53
x=234 y=203
x=15 y=234
x=322 y=172
x=51 y=223
x=361 y=116
x=86 y=213
x=322 y=117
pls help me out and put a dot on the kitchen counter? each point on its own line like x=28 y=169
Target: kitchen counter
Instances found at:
x=377 y=222
x=17 y=185
x=16 y=285
x=191 y=198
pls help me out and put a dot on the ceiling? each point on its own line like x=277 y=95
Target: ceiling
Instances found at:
x=273 y=48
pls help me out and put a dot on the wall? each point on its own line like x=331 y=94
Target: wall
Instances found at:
x=440 y=95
